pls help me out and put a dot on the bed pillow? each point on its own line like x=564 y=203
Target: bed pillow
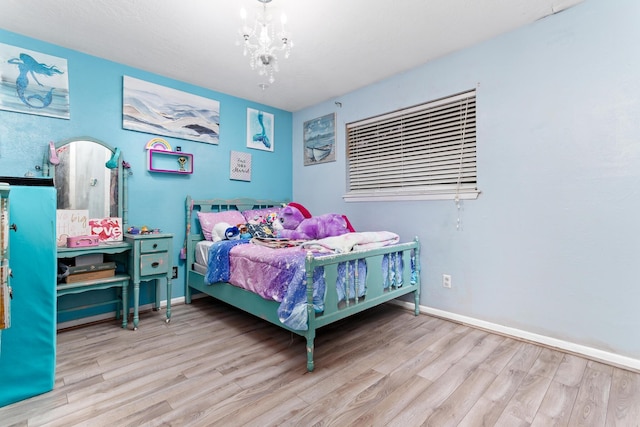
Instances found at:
x=208 y=220
x=258 y=214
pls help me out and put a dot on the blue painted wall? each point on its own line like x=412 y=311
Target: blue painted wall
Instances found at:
x=156 y=200
x=552 y=244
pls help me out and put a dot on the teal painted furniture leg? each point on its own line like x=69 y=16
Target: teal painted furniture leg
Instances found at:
x=125 y=304
x=168 y=313
x=310 y=349
x=136 y=304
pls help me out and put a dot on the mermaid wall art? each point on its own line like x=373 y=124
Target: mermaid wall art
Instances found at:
x=33 y=82
x=259 y=130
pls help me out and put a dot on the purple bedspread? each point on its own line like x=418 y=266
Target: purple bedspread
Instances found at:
x=274 y=274
x=279 y=275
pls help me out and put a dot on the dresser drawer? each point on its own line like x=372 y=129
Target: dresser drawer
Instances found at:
x=154 y=245
x=154 y=263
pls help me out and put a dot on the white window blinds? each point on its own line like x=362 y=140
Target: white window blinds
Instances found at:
x=427 y=150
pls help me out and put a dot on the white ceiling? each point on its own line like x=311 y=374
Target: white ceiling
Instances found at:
x=339 y=45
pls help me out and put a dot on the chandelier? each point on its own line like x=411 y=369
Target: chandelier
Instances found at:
x=261 y=42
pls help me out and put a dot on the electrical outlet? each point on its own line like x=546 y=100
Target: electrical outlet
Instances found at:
x=446 y=281
x=175 y=273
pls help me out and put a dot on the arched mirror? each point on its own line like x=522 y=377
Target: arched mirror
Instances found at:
x=88 y=174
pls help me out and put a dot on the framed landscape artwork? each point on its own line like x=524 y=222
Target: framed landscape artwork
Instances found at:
x=160 y=110
x=319 y=139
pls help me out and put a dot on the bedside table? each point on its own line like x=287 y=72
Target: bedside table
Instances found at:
x=150 y=259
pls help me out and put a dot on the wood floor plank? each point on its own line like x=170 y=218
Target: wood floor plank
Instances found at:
x=279 y=414
x=330 y=407
x=508 y=420
x=100 y=407
x=525 y=357
x=20 y=412
x=395 y=403
x=501 y=355
x=424 y=404
x=571 y=370
x=527 y=398
x=373 y=348
x=547 y=363
x=192 y=410
x=458 y=404
x=214 y=365
x=555 y=409
x=624 y=399
x=372 y=400
x=418 y=340
x=489 y=407
x=590 y=408
x=137 y=414
x=384 y=398
x=452 y=354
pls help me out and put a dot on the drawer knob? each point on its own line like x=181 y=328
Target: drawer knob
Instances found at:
x=155 y=245
x=155 y=264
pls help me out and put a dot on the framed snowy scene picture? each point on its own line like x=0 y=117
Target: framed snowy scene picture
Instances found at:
x=319 y=138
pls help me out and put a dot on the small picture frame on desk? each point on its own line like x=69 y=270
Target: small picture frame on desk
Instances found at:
x=107 y=229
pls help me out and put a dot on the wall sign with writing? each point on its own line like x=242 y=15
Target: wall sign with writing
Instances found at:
x=71 y=223
x=107 y=229
x=240 y=166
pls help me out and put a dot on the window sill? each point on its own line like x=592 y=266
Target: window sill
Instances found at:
x=388 y=197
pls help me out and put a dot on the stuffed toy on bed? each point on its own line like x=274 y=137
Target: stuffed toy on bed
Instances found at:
x=298 y=224
x=224 y=231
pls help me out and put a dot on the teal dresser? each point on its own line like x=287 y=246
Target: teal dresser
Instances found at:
x=150 y=259
x=28 y=346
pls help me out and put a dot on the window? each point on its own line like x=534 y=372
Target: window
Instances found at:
x=423 y=152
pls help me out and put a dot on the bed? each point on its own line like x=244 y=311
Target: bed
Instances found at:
x=307 y=285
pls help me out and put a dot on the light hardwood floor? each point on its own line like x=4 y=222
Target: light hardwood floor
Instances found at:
x=215 y=365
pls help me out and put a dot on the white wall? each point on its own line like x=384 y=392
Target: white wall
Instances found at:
x=552 y=245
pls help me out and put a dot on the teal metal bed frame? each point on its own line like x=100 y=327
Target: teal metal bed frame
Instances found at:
x=333 y=311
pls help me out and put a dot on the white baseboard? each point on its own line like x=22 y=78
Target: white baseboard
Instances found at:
x=112 y=314
x=569 y=347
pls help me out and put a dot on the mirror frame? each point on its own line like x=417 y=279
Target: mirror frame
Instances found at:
x=49 y=170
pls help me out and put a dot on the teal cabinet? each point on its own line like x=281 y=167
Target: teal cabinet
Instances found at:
x=150 y=259
x=28 y=346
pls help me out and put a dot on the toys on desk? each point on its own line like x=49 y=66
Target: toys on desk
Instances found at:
x=143 y=230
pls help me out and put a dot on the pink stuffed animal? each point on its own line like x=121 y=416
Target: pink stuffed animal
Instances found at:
x=297 y=223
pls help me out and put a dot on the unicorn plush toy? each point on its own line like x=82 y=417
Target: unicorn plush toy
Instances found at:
x=298 y=224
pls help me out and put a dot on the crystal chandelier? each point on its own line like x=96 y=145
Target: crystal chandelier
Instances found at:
x=261 y=42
